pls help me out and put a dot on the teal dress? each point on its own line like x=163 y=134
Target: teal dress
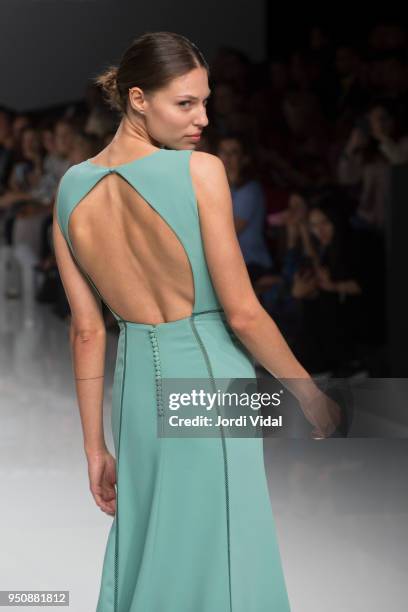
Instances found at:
x=193 y=529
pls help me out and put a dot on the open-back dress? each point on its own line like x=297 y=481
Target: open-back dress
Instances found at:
x=193 y=529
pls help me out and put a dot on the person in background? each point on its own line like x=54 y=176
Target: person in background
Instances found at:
x=55 y=164
x=7 y=153
x=84 y=146
x=388 y=133
x=336 y=290
x=292 y=238
x=26 y=172
x=26 y=213
x=249 y=208
x=375 y=143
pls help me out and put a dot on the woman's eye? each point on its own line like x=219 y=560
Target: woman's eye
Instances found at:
x=184 y=102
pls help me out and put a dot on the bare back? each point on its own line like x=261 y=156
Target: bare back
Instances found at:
x=134 y=231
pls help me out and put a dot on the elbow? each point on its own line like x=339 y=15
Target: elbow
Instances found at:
x=86 y=334
x=243 y=320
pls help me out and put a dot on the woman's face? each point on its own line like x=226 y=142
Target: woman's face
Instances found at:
x=64 y=138
x=321 y=226
x=80 y=151
x=224 y=102
x=19 y=123
x=30 y=142
x=297 y=206
x=174 y=114
x=379 y=117
x=48 y=140
x=230 y=152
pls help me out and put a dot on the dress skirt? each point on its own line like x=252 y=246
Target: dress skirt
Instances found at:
x=193 y=529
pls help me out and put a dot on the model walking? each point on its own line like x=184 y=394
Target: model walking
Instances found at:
x=147 y=227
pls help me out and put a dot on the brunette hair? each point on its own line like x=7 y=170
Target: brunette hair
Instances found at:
x=150 y=62
x=250 y=170
x=338 y=255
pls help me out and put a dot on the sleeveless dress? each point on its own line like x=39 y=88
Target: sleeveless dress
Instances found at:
x=193 y=529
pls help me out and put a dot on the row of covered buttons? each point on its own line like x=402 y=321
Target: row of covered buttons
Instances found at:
x=156 y=359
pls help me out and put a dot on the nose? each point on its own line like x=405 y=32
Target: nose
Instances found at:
x=202 y=119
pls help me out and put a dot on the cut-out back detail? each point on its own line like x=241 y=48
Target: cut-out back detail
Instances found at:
x=134 y=232
x=131 y=253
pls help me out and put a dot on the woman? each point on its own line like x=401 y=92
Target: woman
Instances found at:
x=24 y=176
x=331 y=282
x=248 y=204
x=136 y=226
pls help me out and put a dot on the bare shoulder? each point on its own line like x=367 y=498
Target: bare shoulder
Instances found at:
x=204 y=164
x=210 y=180
x=224 y=258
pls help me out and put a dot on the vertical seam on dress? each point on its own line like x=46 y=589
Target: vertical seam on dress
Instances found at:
x=159 y=407
x=116 y=567
x=210 y=372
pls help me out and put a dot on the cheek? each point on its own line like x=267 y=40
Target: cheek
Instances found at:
x=319 y=233
x=171 y=118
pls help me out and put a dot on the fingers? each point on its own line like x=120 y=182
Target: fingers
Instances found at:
x=105 y=498
x=106 y=505
x=109 y=507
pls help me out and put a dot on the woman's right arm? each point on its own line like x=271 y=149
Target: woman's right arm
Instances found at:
x=246 y=316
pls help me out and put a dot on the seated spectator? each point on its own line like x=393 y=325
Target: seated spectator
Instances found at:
x=84 y=146
x=26 y=173
x=249 y=208
x=375 y=143
x=385 y=129
x=337 y=289
x=7 y=156
x=291 y=236
x=37 y=200
x=53 y=167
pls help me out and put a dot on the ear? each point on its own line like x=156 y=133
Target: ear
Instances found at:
x=137 y=99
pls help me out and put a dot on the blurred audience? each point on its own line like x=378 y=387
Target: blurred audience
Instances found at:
x=308 y=139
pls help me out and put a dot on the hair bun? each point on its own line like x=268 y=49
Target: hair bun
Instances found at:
x=107 y=81
x=150 y=62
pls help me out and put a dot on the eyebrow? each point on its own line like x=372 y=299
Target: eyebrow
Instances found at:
x=192 y=97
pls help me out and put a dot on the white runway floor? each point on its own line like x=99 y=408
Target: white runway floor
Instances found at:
x=341 y=506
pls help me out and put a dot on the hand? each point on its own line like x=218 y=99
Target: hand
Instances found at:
x=304 y=284
x=265 y=282
x=297 y=209
x=322 y=412
x=357 y=140
x=102 y=480
x=324 y=279
x=378 y=129
x=291 y=218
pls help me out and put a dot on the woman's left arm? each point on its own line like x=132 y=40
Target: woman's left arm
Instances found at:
x=87 y=336
x=347 y=287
